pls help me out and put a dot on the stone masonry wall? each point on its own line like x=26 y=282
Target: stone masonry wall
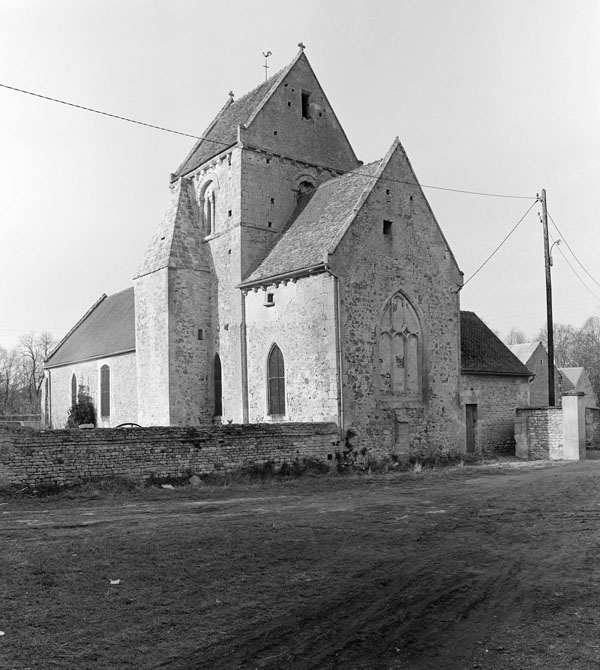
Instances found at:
x=34 y=458
x=497 y=398
x=592 y=427
x=123 y=397
x=412 y=258
x=301 y=321
x=543 y=429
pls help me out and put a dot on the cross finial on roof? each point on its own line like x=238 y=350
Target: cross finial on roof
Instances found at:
x=301 y=45
x=231 y=94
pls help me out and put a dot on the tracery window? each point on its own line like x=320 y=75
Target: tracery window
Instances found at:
x=276 y=389
x=105 y=392
x=400 y=349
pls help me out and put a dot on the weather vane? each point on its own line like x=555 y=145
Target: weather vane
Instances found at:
x=266 y=54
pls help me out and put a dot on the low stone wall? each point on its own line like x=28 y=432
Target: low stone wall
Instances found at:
x=59 y=457
x=592 y=427
x=539 y=433
x=553 y=433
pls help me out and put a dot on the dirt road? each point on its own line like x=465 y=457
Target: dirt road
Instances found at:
x=494 y=568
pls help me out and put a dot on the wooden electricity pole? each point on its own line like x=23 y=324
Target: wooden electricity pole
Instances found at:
x=549 y=326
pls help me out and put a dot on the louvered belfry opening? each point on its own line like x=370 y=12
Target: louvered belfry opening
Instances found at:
x=276 y=382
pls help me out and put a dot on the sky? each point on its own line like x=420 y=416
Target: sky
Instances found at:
x=493 y=96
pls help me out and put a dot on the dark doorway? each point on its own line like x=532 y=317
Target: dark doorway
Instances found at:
x=471 y=418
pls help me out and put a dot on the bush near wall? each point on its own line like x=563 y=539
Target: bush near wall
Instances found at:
x=62 y=457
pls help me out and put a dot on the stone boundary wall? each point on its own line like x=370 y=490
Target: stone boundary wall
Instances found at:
x=539 y=433
x=592 y=427
x=60 y=457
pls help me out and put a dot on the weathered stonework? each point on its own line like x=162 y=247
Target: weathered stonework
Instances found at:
x=62 y=457
x=412 y=259
x=123 y=396
x=497 y=399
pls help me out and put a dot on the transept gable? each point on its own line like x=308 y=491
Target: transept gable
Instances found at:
x=398 y=215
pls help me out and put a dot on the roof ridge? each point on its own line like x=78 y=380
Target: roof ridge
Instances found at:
x=74 y=328
x=275 y=81
x=203 y=138
x=369 y=186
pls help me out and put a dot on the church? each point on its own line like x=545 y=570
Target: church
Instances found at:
x=287 y=282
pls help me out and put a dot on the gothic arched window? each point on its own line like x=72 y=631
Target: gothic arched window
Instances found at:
x=218 y=387
x=400 y=349
x=208 y=204
x=73 y=389
x=276 y=389
x=105 y=391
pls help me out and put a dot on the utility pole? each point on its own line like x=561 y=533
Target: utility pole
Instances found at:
x=549 y=322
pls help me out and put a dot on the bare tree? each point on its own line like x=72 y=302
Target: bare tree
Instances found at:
x=33 y=351
x=515 y=336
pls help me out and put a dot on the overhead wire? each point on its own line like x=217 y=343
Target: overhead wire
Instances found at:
x=512 y=230
x=588 y=289
x=571 y=250
x=227 y=144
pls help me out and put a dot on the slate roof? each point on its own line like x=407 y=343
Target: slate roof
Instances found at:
x=524 y=350
x=222 y=132
x=319 y=219
x=108 y=328
x=177 y=243
x=570 y=378
x=484 y=353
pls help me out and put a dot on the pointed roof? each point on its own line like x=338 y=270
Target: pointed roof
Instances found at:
x=223 y=130
x=524 y=350
x=483 y=353
x=571 y=377
x=177 y=243
x=107 y=329
x=317 y=225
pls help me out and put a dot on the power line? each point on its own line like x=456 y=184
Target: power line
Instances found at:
x=227 y=144
x=571 y=250
x=500 y=245
x=587 y=288
x=114 y=116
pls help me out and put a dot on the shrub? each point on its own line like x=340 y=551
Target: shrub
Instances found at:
x=83 y=411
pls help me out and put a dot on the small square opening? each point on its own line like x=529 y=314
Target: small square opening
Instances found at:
x=269 y=299
x=387 y=227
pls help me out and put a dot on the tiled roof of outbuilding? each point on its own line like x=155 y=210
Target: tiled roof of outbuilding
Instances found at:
x=484 y=353
x=107 y=329
x=570 y=378
x=317 y=222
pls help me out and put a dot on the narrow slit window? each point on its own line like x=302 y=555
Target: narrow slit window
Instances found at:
x=387 y=227
x=218 y=386
x=305 y=105
x=73 y=390
x=105 y=392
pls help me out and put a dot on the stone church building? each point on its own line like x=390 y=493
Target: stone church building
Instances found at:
x=286 y=282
